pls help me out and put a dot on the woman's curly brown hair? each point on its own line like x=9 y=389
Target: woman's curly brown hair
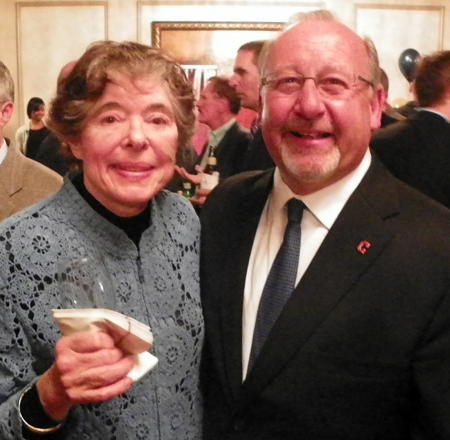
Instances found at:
x=83 y=87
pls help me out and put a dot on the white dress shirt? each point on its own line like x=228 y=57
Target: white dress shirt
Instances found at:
x=3 y=150
x=323 y=207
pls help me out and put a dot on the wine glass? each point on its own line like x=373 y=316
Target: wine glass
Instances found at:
x=85 y=283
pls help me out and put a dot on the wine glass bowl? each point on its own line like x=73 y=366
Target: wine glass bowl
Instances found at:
x=85 y=283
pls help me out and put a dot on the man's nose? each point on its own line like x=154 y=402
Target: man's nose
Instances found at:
x=308 y=101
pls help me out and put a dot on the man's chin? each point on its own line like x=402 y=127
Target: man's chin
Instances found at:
x=315 y=169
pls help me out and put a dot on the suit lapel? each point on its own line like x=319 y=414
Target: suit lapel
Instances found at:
x=238 y=254
x=337 y=265
x=6 y=206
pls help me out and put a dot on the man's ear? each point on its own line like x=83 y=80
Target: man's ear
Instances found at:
x=6 y=111
x=225 y=103
x=377 y=104
x=260 y=106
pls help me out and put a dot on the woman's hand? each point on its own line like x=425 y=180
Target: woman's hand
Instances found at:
x=88 y=369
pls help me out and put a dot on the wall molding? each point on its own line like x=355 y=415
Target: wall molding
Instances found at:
x=20 y=7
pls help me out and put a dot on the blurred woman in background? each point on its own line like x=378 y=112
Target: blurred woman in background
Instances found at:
x=30 y=136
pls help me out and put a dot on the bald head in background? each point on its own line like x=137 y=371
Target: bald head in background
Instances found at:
x=52 y=152
x=65 y=72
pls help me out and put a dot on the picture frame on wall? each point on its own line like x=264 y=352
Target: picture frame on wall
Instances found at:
x=209 y=44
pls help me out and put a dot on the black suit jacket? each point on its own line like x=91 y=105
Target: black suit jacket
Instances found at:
x=417 y=151
x=49 y=154
x=231 y=150
x=257 y=156
x=362 y=349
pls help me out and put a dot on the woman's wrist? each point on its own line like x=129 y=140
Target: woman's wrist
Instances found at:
x=52 y=395
x=33 y=416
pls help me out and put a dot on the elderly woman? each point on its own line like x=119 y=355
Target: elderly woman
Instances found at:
x=123 y=110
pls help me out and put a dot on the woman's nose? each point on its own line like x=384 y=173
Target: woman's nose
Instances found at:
x=136 y=135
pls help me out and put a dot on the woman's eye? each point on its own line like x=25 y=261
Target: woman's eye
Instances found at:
x=109 y=119
x=158 y=120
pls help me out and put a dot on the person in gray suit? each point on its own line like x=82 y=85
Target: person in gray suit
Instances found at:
x=23 y=182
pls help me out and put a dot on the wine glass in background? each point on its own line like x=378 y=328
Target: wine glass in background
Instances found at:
x=85 y=283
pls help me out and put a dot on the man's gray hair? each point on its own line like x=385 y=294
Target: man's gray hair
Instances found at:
x=6 y=85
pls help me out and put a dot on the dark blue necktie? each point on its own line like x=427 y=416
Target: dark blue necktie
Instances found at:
x=281 y=280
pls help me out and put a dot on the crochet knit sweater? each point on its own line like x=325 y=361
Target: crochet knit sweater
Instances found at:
x=157 y=285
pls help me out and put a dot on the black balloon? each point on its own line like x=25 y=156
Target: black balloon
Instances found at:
x=407 y=62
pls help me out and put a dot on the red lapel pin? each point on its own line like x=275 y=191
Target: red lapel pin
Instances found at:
x=363 y=246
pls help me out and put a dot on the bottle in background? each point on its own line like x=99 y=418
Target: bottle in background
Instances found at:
x=187 y=190
x=210 y=176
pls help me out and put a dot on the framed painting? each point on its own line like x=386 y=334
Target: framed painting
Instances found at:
x=209 y=44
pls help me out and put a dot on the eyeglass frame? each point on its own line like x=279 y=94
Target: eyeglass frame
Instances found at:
x=266 y=82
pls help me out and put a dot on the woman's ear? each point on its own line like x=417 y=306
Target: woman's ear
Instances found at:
x=76 y=149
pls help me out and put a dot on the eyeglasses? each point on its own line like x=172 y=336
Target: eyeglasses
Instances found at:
x=330 y=85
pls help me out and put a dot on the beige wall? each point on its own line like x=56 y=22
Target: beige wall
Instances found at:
x=38 y=37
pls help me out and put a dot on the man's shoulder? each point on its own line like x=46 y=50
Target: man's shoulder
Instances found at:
x=392 y=131
x=237 y=129
x=398 y=200
x=46 y=176
x=245 y=181
x=25 y=172
x=421 y=121
x=238 y=190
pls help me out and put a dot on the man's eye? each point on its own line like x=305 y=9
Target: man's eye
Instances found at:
x=288 y=80
x=333 y=84
x=287 y=84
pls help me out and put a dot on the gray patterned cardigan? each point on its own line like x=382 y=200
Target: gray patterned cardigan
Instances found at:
x=157 y=285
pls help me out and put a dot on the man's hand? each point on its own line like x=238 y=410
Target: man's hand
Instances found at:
x=200 y=196
x=88 y=369
x=195 y=179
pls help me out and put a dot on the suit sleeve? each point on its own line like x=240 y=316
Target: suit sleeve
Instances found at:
x=431 y=378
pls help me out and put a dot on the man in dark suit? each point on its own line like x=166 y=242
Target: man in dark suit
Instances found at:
x=361 y=348
x=217 y=108
x=245 y=80
x=417 y=151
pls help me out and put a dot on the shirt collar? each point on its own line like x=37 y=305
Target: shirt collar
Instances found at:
x=325 y=204
x=3 y=150
x=215 y=136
